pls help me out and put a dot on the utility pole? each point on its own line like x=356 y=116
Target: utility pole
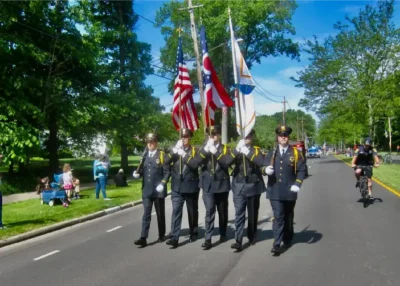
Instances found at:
x=302 y=128
x=196 y=51
x=284 y=110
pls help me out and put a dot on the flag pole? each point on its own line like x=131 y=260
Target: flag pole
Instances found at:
x=180 y=85
x=207 y=105
x=237 y=92
x=180 y=98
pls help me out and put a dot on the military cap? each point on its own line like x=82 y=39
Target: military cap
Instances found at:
x=151 y=137
x=216 y=129
x=283 y=130
x=186 y=132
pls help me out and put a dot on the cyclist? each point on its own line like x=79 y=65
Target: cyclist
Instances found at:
x=365 y=155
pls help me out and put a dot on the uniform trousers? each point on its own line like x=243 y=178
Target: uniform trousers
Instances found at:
x=192 y=205
x=159 y=204
x=213 y=202
x=282 y=225
x=252 y=204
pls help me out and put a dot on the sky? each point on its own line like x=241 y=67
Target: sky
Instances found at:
x=273 y=73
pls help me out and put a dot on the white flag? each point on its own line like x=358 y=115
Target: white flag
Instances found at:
x=244 y=102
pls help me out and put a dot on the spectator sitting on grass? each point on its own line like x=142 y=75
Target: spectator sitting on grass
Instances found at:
x=120 y=179
x=77 y=188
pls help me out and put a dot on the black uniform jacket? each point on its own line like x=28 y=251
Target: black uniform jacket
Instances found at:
x=247 y=177
x=184 y=172
x=155 y=171
x=214 y=176
x=289 y=169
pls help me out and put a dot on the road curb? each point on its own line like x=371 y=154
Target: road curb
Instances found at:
x=64 y=224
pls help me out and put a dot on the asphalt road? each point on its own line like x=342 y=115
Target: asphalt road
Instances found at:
x=337 y=242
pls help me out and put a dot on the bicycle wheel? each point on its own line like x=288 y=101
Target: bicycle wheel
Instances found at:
x=364 y=192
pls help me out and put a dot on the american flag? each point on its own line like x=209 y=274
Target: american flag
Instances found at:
x=183 y=90
x=214 y=93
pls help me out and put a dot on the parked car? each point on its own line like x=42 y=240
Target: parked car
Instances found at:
x=300 y=145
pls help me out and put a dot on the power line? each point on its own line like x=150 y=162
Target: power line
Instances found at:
x=265 y=96
x=260 y=86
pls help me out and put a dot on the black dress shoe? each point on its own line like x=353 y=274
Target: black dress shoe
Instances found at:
x=237 y=246
x=276 y=251
x=252 y=242
x=207 y=245
x=193 y=238
x=172 y=242
x=222 y=239
x=161 y=239
x=141 y=242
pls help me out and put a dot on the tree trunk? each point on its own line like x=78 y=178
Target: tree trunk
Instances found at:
x=21 y=167
x=11 y=167
x=371 y=120
x=53 y=142
x=124 y=156
x=123 y=87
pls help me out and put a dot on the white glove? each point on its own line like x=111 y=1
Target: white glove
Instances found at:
x=206 y=148
x=295 y=189
x=179 y=144
x=210 y=142
x=181 y=152
x=160 y=188
x=269 y=170
x=244 y=150
x=135 y=175
x=240 y=145
x=213 y=149
x=175 y=150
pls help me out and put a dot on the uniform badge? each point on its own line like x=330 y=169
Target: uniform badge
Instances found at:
x=291 y=159
x=158 y=161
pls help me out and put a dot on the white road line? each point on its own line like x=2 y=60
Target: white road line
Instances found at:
x=44 y=256
x=153 y=213
x=115 y=228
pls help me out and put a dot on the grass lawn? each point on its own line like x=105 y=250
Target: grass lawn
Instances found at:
x=386 y=173
x=28 y=215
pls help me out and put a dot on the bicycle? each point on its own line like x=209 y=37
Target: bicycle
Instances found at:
x=364 y=185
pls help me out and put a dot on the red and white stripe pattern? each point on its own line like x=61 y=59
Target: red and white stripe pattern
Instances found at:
x=183 y=92
x=214 y=93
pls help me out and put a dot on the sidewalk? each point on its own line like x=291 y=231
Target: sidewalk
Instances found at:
x=32 y=195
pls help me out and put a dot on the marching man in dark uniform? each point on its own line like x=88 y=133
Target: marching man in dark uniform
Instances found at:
x=285 y=167
x=156 y=172
x=214 y=159
x=185 y=187
x=247 y=186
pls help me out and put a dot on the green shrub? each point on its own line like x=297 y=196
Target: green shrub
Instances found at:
x=16 y=183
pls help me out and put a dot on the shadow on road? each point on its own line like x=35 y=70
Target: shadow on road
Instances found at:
x=330 y=161
x=307 y=236
x=370 y=202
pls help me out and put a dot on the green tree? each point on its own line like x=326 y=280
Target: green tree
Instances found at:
x=264 y=26
x=347 y=72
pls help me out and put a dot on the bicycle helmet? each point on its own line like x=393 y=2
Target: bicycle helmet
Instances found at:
x=367 y=141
